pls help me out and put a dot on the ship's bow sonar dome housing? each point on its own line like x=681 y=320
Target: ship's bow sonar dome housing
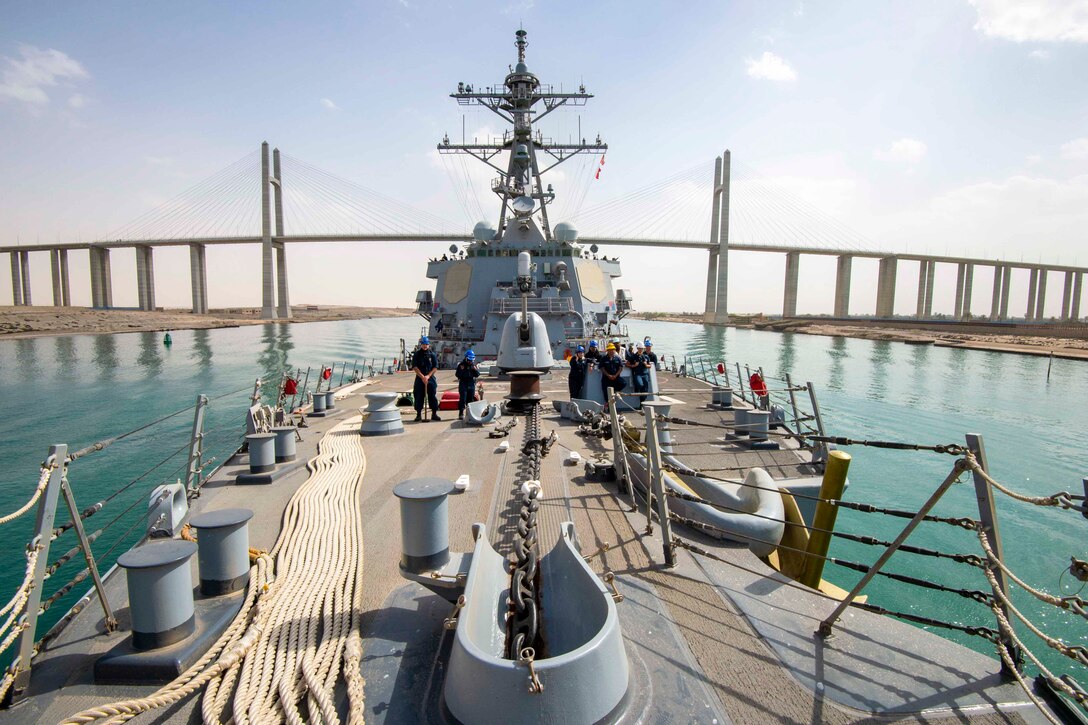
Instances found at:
x=565 y=232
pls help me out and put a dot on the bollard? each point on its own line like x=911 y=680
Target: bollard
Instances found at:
x=285 y=443
x=160 y=592
x=222 y=550
x=382 y=416
x=740 y=422
x=262 y=452
x=330 y=402
x=424 y=523
x=319 y=402
x=723 y=398
x=834 y=483
x=759 y=422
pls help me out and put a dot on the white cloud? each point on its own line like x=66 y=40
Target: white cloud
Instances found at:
x=26 y=78
x=1075 y=150
x=77 y=100
x=328 y=103
x=1033 y=158
x=1033 y=20
x=159 y=160
x=771 y=67
x=904 y=151
x=1039 y=54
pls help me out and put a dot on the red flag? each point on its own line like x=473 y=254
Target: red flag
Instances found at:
x=599 y=167
x=598 y=173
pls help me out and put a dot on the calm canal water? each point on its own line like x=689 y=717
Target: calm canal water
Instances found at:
x=84 y=388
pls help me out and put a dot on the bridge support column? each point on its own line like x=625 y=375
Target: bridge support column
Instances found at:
x=16 y=279
x=283 y=307
x=923 y=273
x=1041 y=300
x=842 y=286
x=1033 y=287
x=268 y=284
x=24 y=263
x=1067 y=294
x=101 y=278
x=885 y=287
x=710 y=307
x=789 y=296
x=961 y=275
x=65 y=287
x=145 y=277
x=931 y=274
x=1006 y=285
x=198 y=272
x=721 y=296
x=711 y=286
x=1074 y=308
x=968 y=288
x=995 y=302
x=54 y=269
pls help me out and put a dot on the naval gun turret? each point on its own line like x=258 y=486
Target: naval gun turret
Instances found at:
x=524 y=344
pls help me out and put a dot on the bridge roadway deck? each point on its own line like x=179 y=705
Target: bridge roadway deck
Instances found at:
x=735 y=639
x=734 y=246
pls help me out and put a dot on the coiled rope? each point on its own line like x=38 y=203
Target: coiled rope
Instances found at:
x=301 y=616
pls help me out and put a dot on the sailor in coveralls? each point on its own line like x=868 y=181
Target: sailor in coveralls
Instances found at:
x=466 y=374
x=611 y=367
x=578 y=366
x=424 y=365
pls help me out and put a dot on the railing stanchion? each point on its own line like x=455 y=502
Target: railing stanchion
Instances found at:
x=740 y=383
x=196 y=446
x=988 y=516
x=816 y=414
x=619 y=458
x=657 y=484
x=85 y=545
x=796 y=414
x=828 y=624
x=43 y=535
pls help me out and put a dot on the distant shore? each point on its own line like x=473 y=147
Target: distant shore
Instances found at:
x=1038 y=345
x=23 y=322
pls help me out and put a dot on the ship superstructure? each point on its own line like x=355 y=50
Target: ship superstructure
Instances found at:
x=572 y=285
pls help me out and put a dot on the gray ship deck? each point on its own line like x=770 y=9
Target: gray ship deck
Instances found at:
x=708 y=641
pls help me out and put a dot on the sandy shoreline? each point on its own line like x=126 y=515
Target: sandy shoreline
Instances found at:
x=1059 y=347
x=23 y=322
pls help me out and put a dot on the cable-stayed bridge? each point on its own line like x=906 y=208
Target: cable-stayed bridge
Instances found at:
x=276 y=200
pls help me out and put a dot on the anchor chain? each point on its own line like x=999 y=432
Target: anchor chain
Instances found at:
x=524 y=617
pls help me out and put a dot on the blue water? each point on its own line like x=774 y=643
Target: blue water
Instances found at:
x=84 y=388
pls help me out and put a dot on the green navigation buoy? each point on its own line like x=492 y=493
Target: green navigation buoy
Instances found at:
x=167 y=340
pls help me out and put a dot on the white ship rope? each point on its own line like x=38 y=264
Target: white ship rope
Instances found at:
x=1061 y=499
x=1060 y=602
x=42 y=482
x=301 y=616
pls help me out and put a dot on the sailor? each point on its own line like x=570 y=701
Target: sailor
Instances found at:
x=611 y=367
x=650 y=354
x=578 y=366
x=424 y=365
x=466 y=374
x=640 y=371
x=593 y=354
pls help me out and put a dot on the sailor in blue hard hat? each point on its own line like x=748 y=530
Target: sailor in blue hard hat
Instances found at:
x=650 y=354
x=425 y=365
x=466 y=374
x=593 y=354
x=578 y=367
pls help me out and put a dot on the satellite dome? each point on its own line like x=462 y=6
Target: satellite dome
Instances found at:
x=483 y=232
x=565 y=232
x=521 y=68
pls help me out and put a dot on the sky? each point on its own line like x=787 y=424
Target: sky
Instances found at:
x=947 y=126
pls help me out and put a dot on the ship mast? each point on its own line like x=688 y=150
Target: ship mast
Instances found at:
x=519 y=185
